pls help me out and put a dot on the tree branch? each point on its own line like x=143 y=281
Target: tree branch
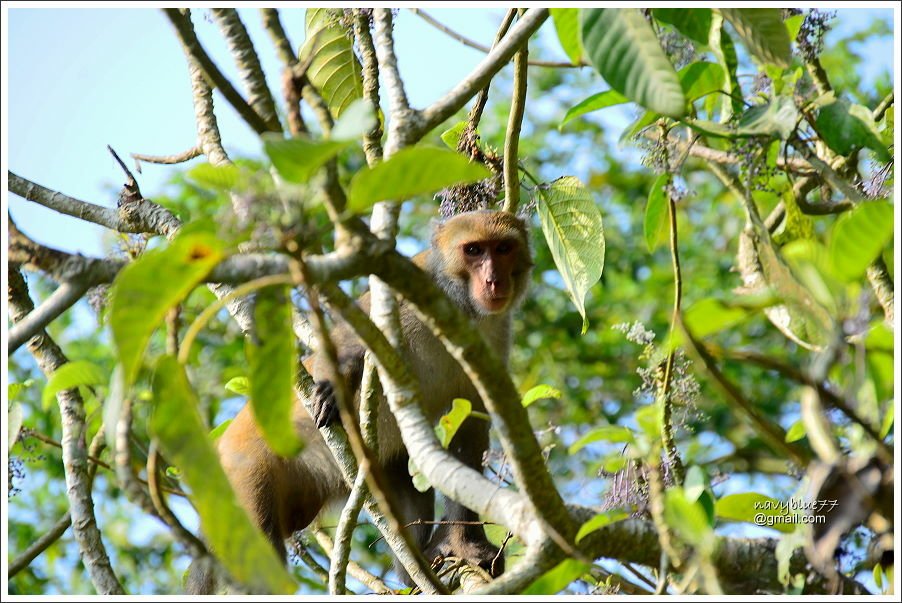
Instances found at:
x=512 y=136
x=65 y=296
x=49 y=358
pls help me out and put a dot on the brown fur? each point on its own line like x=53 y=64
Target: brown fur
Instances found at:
x=285 y=495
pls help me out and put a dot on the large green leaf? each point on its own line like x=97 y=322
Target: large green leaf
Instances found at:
x=334 y=69
x=70 y=376
x=694 y=23
x=599 y=521
x=605 y=433
x=411 y=171
x=144 y=291
x=763 y=33
x=177 y=424
x=573 y=229
x=752 y=507
x=700 y=79
x=777 y=117
x=297 y=159
x=710 y=315
x=566 y=24
x=608 y=98
x=656 y=212
x=624 y=49
x=846 y=126
x=688 y=519
x=858 y=238
x=557 y=579
x=272 y=360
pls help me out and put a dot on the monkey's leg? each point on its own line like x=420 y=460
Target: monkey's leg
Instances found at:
x=413 y=505
x=461 y=537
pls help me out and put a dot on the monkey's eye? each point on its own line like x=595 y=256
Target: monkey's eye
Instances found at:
x=504 y=248
x=472 y=249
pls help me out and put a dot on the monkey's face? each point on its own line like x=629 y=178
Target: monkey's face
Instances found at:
x=491 y=268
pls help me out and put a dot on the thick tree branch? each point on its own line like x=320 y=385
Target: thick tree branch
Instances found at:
x=65 y=296
x=181 y=21
x=249 y=68
x=49 y=358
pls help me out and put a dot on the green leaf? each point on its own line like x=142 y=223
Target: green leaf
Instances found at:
x=409 y=172
x=700 y=79
x=688 y=519
x=239 y=385
x=710 y=315
x=540 y=392
x=557 y=579
x=451 y=136
x=573 y=229
x=695 y=483
x=14 y=417
x=859 y=236
x=14 y=389
x=220 y=429
x=888 y=420
x=752 y=507
x=796 y=431
x=145 y=290
x=297 y=159
x=355 y=121
x=846 y=126
x=599 y=521
x=605 y=433
x=177 y=424
x=218 y=177
x=419 y=480
x=647 y=420
x=623 y=47
x=793 y=25
x=450 y=422
x=566 y=24
x=778 y=117
x=878 y=576
x=656 y=213
x=694 y=23
x=645 y=120
x=608 y=98
x=763 y=33
x=334 y=69
x=70 y=376
x=272 y=359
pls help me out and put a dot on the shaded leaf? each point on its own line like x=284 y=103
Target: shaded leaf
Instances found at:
x=694 y=23
x=539 y=392
x=859 y=236
x=409 y=172
x=14 y=417
x=334 y=69
x=605 y=433
x=573 y=229
x=778 y=117
x=695 y=483
x=846 y=126
x=656 y=213
x=701 y=78
x=623 y=47
x=763 y=33
x=272 y=360
x=70 y=376
x=356 y=120
x=177 y=424
x=566 y=24
x=145 y=290
x=297 y=159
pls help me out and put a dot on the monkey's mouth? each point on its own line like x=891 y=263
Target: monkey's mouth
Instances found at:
x=496 y=303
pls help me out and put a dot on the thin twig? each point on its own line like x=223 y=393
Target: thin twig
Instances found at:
x=65 y=296
x=481 y=47
x=372 y=140
x=512 y=136
x=166 y=159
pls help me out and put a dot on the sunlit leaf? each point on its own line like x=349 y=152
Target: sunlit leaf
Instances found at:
x=355 y=121
x=605 y=433
x=297 y=159
x=409 y=172
x=452 y=135
x=701 y=78
x=656 y=213
x=334 y=69
x=796 y=431
x=539 y=392
x=688 y=519
x=14 y=417
x=239 y=385
x=608 y=98
x=859 y=236
x=695 y=482
x=778 y=117
x=220 y=429
x=451 y=421
x=623 y=47
x=751 y=507
x=145 y=290
x=219 y=177
x=566 y=24
x=599 y=521
x=272 y=361
x=763 y=33
x=557 y=579
x=70 y=376
x=177 y=425
x=571 y=223
x=710 y=315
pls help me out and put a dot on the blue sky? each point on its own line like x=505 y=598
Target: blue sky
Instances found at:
x=79 y=79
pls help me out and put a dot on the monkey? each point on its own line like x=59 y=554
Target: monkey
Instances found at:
x=482 y=262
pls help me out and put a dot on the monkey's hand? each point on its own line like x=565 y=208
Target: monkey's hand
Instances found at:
x=324 y=409
x=467 y=543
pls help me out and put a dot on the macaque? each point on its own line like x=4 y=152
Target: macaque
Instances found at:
x=482 y=262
